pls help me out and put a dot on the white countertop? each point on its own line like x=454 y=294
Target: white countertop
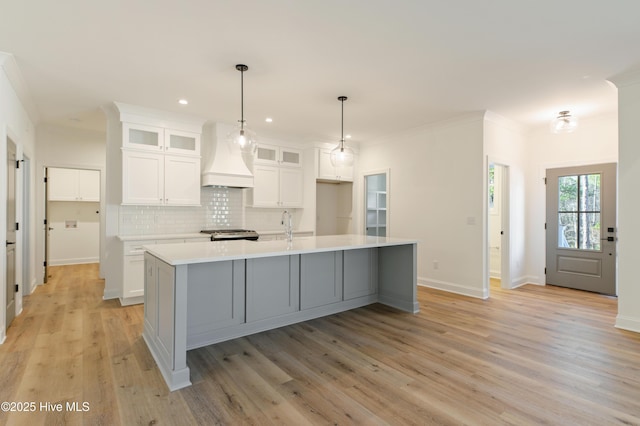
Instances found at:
x=216 y=251
x=148 y=237
x=161 y=236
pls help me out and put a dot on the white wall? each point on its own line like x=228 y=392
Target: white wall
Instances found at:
x=16 y=121
x=595 y=141
x=436 y=195
x=628 y=201
x=66 y=147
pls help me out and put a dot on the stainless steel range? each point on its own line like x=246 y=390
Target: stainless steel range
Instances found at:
x=231 y=234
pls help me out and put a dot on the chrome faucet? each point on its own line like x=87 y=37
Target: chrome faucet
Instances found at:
x=287 y=221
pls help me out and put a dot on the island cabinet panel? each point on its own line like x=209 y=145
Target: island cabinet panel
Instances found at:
x=360 y=273
x=273 y=287
x=320 y=279
x=216 y=296
x=165 y=279
x=151 y=287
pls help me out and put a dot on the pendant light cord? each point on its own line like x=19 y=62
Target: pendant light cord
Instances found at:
x=342 y=123
x=242 y=99
x=342 y=99
x=242 y=68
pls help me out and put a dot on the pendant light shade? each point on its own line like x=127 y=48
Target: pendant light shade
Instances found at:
x=341 y=155
x=564 y=123
x=241 y=136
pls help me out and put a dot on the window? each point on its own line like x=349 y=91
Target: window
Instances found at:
x=579 y=212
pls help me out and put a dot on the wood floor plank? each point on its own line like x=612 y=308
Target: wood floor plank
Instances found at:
x=533 y=355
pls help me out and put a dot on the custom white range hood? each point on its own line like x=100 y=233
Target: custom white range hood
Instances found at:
x=222 y=164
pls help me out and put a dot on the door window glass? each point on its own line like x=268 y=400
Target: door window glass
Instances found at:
x=579 y=212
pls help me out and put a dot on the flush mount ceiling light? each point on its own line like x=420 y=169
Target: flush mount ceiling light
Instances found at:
x=241 y=136
x=341 y=155
x=564 y=123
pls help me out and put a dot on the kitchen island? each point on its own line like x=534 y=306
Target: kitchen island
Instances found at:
x=202 y=293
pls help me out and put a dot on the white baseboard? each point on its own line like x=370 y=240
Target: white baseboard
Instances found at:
x=454 y=288
x=110 y=294
x=78 y=261
x=628 y=323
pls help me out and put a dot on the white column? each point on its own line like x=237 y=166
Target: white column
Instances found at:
x=628 y=200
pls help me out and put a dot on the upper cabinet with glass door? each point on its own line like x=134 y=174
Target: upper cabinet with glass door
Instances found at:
x=274 y=155
x=158 y=139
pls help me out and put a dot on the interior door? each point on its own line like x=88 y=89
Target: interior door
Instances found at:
x=581 y=227
x=11 y=232
x=376 y=202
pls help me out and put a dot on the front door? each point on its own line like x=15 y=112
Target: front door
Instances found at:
x=11 y=232
x=581 y=228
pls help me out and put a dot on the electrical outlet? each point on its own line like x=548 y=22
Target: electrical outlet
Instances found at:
x=435 y=264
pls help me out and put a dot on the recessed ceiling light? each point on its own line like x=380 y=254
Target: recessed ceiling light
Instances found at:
x=183 y=102
x=347 y=136
x=268 y=120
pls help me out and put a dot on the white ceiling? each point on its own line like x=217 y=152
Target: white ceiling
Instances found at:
x=402 y=63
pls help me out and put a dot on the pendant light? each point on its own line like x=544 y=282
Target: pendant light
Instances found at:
x=341 y=155
x=241 y=136
x=564 y=123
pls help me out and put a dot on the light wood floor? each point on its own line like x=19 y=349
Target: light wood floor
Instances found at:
x=527 y=356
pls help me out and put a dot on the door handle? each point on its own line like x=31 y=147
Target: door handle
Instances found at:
x=608 y=239
x=10 y=242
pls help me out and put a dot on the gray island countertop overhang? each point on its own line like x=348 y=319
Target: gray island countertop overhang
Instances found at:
x=216 y=251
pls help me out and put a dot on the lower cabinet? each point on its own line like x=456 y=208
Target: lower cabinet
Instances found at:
x=159 y=312
x=320 y=279
x=133 y=267
x=273 y=286
x=360 y=273
x=216 y=295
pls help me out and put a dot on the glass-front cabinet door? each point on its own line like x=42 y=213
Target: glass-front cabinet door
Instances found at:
x=139 y=136
x=178 y=142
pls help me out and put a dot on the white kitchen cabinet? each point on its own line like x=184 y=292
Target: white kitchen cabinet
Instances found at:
x=181 y=180
x=276 y=187
x=277 y=156
x=138 y=136
x=160 y=166
x=158 y=179
x=327 y=171
x=159 y=139
x=179 y=142
x=142 y=178
x=73 y=185
x=133 y=269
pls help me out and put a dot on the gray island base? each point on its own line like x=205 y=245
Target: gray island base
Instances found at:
x=198 y=294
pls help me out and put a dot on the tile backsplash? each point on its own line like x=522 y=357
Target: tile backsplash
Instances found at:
x=221 y=208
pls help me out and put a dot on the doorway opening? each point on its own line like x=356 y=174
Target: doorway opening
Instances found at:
x=376 y=192
x=334 y=208
x=72 y=216
x=498 y=227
